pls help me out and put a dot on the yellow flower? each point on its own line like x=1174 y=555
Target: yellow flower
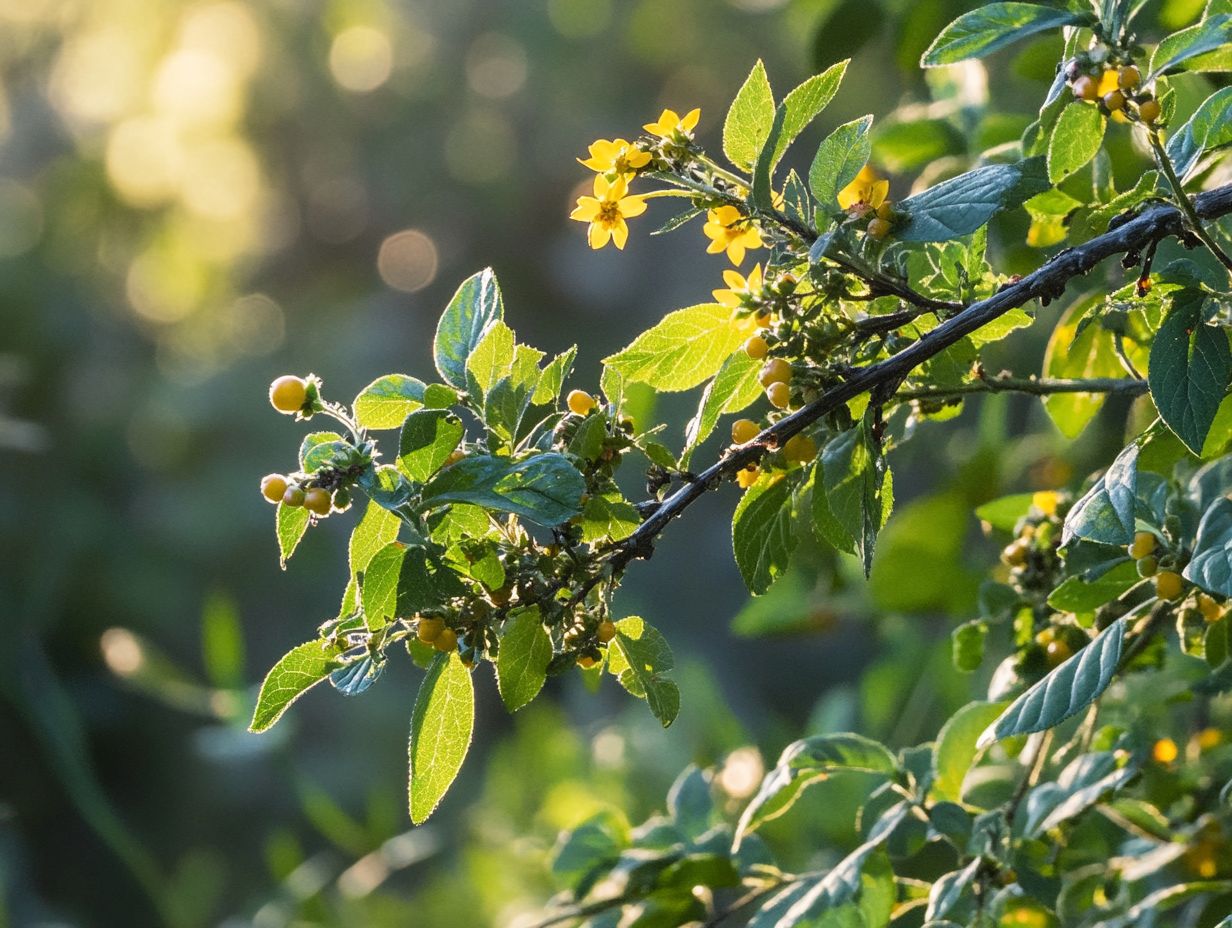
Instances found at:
x=616 y=157
x=607 y=211
x=741 y=287
x=729 y=231
x=670 y=125
x=868 y=189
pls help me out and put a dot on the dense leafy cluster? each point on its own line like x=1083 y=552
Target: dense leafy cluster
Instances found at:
x=496 y=532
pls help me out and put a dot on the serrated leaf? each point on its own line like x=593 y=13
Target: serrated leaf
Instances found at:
x=310 y=455
x=685 y=348
x=474 y=307
x=1190 y=369
x=805 y=762
x=1208 y=129
x=608 y=518
x=427 y=440
x=385 y=402
x=1206 y=36
x=963 y=204
x=1106 y=512
x=639 y=656
x=1211 y=564
x=854 y=497
x=522 y=662
x=992 y=26
x=1065 y=691
x=441 y=727
x=956 y=747
x=798 y=109
x=545 y=488
x=839 y=159
x=748 y=121
x=290 y=524
x=296 y=672
x=762 y=533
x=374 y=531
x=491 y=359
x=379 y=588
x=734 y=387
x=1078 y=135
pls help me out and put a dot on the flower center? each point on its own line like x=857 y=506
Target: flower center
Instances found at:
x=609 y=211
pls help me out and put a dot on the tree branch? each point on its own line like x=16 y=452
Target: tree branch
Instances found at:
x=1045 y=284
x=1036 y=386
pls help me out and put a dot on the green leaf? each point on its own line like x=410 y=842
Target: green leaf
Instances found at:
x=1208 y=129
x=291 y=522
x=748 y=121
x=385 y=402
x=965 y=203
x=441 y=727
x=545 y=488
x=1004 y=512
x=1206 y=36
x=1065 y=691
x=839 y=159
x=967 y=645
x=522 y=662
x=855 y=496
x=798 y=109
x=639 y=656
x=473 y=309
x=1078 y=595
x=762 y=533
x=807 y=761
x=949 y=889
x=547 y=390
x=1106 y=512
x=312 y=454
x=1211 y=565
x=1078 y=135
x=608 y=518
x=734 y=387
x=296 y=672
x=379 y=588
x=375 y=530
x=428 y=438
x=1078 y=354
x=491 y=359
x=1190 y=369
x=685 y=348
x=956 y=750
x=993 y=26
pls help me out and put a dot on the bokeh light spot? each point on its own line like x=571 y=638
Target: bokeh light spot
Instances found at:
x=496 y=66
x=144 y=160
x=361 y=58
x=221 y=179
x=580 y=19
x=197 y=88
x=122 y=652
x=407 y=260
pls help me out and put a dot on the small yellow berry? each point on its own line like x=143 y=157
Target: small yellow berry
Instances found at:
x=294 y=497
x=1147 y=566
x=1168 y=584
x=318 y=501
x=1149 y=110
x=1086 y=88
x=1015 y=554
x=288 y=394
x=1209 y=738
x=744 y=430
x=580 y=402
x=800 y=449
x=446 y=641
x=1129 y=77
x=878 y=228
x=606 y=631
x=586 y=661
x=776 y=370
x=428 y=630
x=273 y=487
x=747 y=476
x=779 y=395
x=1144 y=543
x=1165 y=751
x=1114 y=100
x=1058 y=652
x=756 y=347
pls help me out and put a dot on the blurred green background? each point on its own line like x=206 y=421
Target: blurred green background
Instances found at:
x=198 y=196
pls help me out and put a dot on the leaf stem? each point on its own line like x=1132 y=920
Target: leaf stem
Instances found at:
x=1194 y=223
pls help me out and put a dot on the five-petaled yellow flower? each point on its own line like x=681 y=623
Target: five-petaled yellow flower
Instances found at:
x=741 y=287
x=729 y=231
x=616 y=157
x=671 y=125
x=867 y=191
x=607 y=211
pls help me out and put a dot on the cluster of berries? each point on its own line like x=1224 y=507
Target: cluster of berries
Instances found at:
x=1162 y=567
x=292 y=395
x=1116 y=90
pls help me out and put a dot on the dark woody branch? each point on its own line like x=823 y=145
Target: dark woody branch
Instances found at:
x=883 y=378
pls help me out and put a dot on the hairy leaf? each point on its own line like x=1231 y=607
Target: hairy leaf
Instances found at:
x=963 y=204
x=441 y=726
x=1206 y=36
x=1078 y=135
x=1106 y=512
x=385 y=402
x=639 y=656
x=839 y=159
x=296 y=672
x=1190 y=369
x=748 y=121
x=733 y=388
x=798 y=109
x=1211 y=565
x=545 y=488
x=685 y=348
x=992 y=26
x=427 y=440
x=522 y=662
x=762 y=533
x=474 y=307
x=291 y=522
x=956 y=746
x=1208 y=129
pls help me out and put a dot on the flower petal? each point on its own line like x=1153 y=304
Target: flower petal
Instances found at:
x=632 y=206
x=620 y=233
x=690 y=119
x=587 y=209
x=598 y=235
